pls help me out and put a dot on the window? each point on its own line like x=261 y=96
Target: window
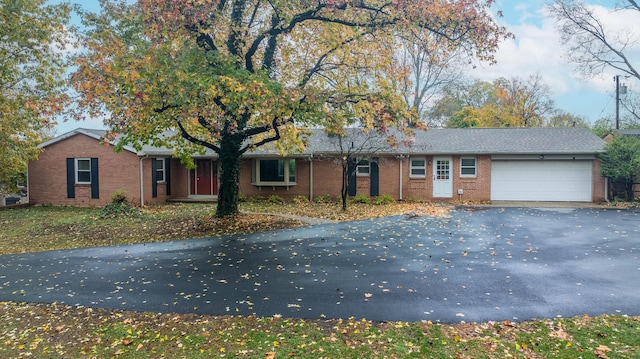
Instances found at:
x=468 y=167
x=274 y=172
x=363 y=168
x=418 y=167
x=443 y=169
x=83 y=170
x=159 y=169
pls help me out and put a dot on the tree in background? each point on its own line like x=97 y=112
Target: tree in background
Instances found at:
x=431 y=67
x=506 y=102
x=603 y=126
x=590 y=44
x=526 y=103
x=595 y=46
x=32 y=64
x=233 y=75
x=565 y=119
x=630 y=102
x=460 y=95
x=621 y=162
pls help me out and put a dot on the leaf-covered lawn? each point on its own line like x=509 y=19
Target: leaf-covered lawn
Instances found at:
x=33 y=229
x=58 y=331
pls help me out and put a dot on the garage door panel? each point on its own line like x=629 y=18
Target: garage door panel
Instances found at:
x=541 y=181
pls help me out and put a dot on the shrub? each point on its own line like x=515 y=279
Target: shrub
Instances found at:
x=360 y=198
x=275 y=199
x=325 y=198
x=118 y=207
x=256 y=198
x=242 y=197
x=300 y=199
x=384 y=199
x=119 y=196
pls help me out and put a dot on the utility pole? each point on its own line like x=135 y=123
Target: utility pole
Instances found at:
x=619 y=90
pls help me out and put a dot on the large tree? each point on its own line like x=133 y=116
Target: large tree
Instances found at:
x=592 y=44
x=232 y=75
x=431 y=67
x=511 y=102
x=32 y=65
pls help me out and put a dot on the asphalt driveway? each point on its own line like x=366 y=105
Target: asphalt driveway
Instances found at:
x=480 y=264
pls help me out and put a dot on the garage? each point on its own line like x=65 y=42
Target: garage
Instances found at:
x=541 y=180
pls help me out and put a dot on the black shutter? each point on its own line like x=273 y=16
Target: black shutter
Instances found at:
x=374 y=180
x=95 y=185
x=154 y=178
x=167 y=174
x=351 y=177
x=71 y=178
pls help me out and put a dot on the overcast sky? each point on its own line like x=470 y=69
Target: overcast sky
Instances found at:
x=536 y=49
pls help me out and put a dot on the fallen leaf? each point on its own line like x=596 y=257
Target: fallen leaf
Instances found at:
x=560 y=334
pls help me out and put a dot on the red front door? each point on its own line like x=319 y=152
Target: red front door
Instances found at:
x=203 y=178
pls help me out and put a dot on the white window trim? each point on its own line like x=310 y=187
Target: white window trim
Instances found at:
x=286 y=182
x=367 y=166
x=411 y=167
x=475 y=167
x=77 y=169
x=164 y=173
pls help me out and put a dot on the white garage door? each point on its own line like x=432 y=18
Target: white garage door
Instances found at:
x=541 y=181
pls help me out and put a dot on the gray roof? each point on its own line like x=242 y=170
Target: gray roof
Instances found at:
x=548 y=140
x=634 y=133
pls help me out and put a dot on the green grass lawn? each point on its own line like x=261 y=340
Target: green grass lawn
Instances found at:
x=56 y=331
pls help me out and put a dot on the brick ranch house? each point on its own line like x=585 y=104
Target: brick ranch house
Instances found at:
x=505 y=164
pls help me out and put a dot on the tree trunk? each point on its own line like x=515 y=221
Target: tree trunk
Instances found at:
x=630 y=192
x=345 y=184
x=229 y=174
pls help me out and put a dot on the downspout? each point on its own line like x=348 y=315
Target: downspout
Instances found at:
x=28 y=186
x=311 y=178
x=141 y=183
x=401 y=159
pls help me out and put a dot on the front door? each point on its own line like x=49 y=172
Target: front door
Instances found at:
x=442 y=181
x=203 y=178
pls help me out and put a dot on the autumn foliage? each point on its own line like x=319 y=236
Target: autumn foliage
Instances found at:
x=234 y=75
x=32 y=64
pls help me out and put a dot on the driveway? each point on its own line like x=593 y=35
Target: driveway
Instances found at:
x=481 y=264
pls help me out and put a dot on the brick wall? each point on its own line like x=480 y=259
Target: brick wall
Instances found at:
x=179 y=180
x=301 y=188
x=474 y=188
x=48 y=181
x=328 y=180
x=48 y=174
x=599 y=191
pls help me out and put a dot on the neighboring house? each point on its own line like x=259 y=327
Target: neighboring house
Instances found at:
x=481 y=164
x=633 y=133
